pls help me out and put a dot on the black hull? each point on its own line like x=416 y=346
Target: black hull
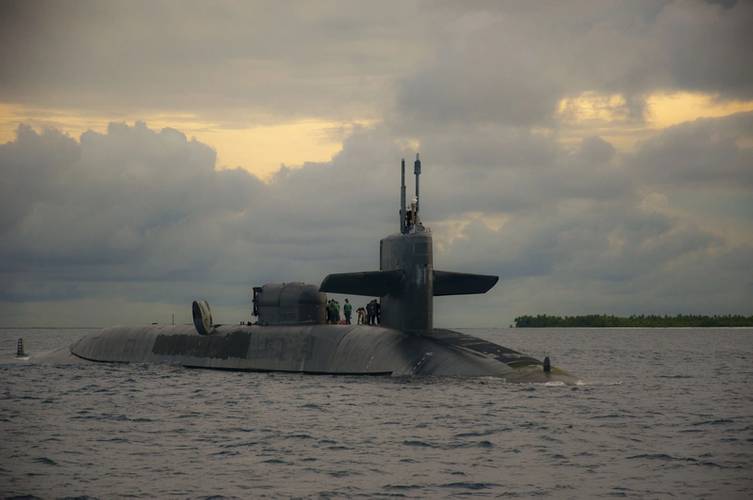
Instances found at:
x=315 y=349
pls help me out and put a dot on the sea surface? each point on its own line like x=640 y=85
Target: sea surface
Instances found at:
x=660 y=413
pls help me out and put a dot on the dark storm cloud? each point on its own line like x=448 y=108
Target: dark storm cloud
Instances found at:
x=481 y=82
x=136 y=205
x=513 y=170
x=705 y=152
x=135 y=214
x=512 y=62
x=489 y=62
x=100 y=200
x=597 y=241
x=594 y=149
x=220 y=59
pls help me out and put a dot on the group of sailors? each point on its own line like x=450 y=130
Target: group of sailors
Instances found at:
x=333 y=311
x=369 y=315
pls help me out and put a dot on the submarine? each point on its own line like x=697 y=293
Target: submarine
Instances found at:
x=290 y=333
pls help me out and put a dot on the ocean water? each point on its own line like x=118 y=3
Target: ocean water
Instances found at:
x=660 y=413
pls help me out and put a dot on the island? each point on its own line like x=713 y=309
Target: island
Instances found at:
x=634 y=321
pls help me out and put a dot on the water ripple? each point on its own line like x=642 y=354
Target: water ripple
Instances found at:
x=634 y=428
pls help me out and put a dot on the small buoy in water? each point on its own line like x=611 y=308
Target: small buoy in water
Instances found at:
x=547 y=365
x=20 y=349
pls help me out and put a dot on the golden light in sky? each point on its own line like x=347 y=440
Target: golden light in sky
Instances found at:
x=260 y=149
x=263 y=148
x=607 y=115
x=588 y=147
x=667 y=109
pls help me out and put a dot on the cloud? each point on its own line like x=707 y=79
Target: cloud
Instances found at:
x=227 y=61
x=134 y=210
x=111 y=205
x=511 y=64
x=486 y=80
x=513 y=170
x=136 y=215
x=704 y=152
x=246 y=63
x=594 y=149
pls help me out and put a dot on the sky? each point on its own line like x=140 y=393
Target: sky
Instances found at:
x=597 y=155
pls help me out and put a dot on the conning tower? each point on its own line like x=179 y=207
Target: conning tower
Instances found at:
x=407 y=282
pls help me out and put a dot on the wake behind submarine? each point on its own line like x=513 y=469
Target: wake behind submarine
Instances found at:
x=290 y=334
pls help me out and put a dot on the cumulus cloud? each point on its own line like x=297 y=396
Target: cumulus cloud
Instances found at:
x=512 y=63
x=136 y=210
x=136 y=215
x=227 y=61
x=487 y=61
x=700 y=153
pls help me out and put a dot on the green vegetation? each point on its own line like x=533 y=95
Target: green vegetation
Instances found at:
x=650 y=321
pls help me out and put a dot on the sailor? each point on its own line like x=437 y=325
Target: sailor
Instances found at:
x=370 y=313
x=328 y=310
x=347 y=310
x=360 y=315
x=374 y=312
x=331 y=311
x=337 y=312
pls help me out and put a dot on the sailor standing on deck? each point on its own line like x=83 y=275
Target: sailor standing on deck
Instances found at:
x=361 y=315
x=370 y=313
x=347 y=310
x=331 y=311
x=373 y=309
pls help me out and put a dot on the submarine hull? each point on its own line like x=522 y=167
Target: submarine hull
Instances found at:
x=316 y=349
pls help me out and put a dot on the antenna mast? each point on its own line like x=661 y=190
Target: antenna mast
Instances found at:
x=417 y=171
x=403 y=225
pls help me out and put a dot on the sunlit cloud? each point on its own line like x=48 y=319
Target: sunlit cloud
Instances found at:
x=672 y=108
x=610 y=116
x=593 y=107
x=592 y=146
x=260 y=149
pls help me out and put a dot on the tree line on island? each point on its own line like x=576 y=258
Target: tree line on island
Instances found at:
x=645 y=321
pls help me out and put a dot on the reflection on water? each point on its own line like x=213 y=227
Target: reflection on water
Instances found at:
x=659 y=413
